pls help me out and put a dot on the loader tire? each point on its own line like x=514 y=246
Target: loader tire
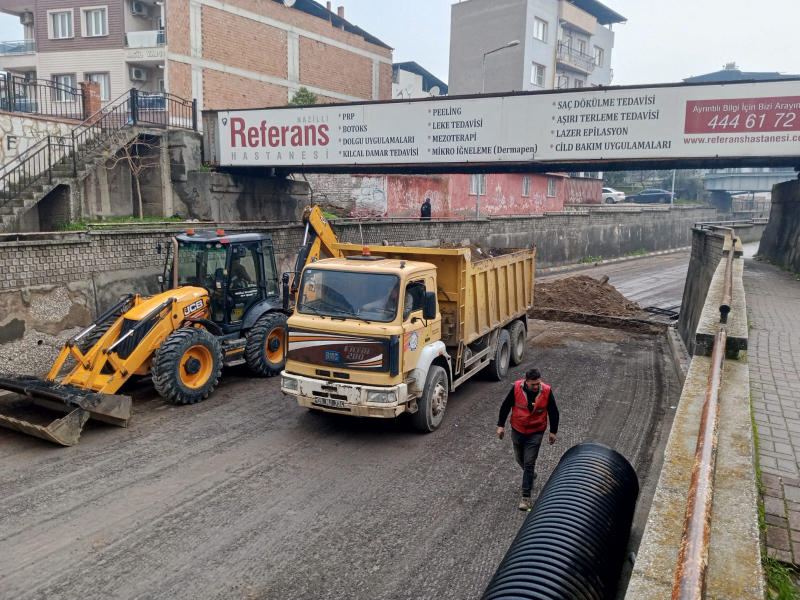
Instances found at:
x=187 y=366
x=265 y=351
x=431 y=406
x=94 y=336
x=518 y=339
x=502 y=357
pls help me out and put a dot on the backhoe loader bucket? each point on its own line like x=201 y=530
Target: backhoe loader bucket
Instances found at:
x=80 y=404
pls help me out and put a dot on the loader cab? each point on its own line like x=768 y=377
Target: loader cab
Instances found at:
x=238 y=271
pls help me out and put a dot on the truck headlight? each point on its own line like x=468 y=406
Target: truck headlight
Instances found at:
x=290 y=384
x=381 y=397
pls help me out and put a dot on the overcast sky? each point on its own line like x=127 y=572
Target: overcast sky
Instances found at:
x=664 y=40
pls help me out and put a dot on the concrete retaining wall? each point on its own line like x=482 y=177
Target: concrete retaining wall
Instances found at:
x=780 y=244
x=51 y=284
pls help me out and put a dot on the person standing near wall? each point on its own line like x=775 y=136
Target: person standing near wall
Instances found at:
x=425 y=210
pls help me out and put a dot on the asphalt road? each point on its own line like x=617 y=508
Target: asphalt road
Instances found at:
x=247 y=495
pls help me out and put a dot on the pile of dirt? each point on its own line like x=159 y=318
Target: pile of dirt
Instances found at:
x=585 y=294
x=478 y=252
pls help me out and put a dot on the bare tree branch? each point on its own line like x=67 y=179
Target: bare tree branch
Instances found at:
x=138 y=155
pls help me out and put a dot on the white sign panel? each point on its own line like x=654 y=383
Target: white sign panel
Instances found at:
x=732 y=120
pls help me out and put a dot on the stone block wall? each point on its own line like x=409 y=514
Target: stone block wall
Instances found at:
x=780 y=243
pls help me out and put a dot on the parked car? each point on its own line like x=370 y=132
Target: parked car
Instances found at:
x=612 y=196
x=650 y=196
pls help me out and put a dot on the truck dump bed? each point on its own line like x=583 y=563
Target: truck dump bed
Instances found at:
x=476 y=295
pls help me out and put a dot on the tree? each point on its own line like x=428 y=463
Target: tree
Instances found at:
x=138 y=154
x=303 y=97
x=614 y=179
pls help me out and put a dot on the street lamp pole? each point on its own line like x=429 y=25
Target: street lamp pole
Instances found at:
x=510 y=44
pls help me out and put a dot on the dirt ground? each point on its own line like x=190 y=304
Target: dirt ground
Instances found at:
x=247 y=495
x=585 y=294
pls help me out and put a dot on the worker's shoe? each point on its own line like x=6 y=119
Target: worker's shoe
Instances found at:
x=525 y=503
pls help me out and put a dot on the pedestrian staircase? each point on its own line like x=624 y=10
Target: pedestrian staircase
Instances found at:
x=68 y=160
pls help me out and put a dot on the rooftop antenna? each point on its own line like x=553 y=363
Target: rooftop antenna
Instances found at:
x=410 y=89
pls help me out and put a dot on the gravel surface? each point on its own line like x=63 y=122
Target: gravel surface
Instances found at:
x=247 y=495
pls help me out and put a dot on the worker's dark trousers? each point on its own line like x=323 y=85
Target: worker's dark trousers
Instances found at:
x=526 y=449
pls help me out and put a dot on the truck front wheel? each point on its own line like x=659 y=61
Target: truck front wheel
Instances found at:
x=430 y=407
x=502 y=356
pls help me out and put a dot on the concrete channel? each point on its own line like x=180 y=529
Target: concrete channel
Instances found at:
x=248 y=495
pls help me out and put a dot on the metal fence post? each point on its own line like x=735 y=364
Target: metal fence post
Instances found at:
x=49 y=161
x=12 y=105
x=134 y=106
x=194 y=114
x=74 y=155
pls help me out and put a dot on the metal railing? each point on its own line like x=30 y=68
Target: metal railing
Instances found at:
x=17 y=47
x=55 y=156
x=751 y=205
x=40 y=97
x=569 y=54
x=145 y=39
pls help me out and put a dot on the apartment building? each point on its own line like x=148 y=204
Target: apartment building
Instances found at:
x=529 y=45
x=232 y=54
x=411 y=80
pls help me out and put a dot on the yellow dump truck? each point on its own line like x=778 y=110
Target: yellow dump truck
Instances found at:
x=385 y=330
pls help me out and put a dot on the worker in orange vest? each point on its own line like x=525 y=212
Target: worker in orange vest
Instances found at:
x=530 y=403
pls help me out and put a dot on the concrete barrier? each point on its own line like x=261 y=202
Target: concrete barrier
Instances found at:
x=780 y=243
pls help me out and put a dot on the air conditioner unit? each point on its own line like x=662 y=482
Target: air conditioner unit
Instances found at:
x=26 y=18
x=139 y=9
x=138 y=74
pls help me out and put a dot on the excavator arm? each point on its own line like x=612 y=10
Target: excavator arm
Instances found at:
x=318 y=241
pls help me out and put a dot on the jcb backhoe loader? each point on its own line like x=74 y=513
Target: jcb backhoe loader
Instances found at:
x=220 y=306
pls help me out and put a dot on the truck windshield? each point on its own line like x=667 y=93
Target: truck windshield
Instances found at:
x=339 y=294
x=198 y=264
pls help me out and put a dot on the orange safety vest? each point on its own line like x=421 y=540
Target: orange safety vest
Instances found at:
x=526 y=421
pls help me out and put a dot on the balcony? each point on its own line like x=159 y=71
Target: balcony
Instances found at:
x=572 y=59
x=18 y=56
x=578 y=19
x=145 y=39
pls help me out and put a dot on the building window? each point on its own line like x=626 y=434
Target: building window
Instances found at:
x=577 y=83
x=526 y=186
x=473 y=184
x=551 y=187
x=60 y=25
x=540 y=30
x=104 y=81
x=563 y=82
x=95 y=22
x=598 y=56
x=162 y=87
x=537 y=75
x=65 y=88
x=582 y=46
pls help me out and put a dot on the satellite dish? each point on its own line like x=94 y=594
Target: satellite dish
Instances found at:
x=289 y=3
x=410 y=89
x=435 y=91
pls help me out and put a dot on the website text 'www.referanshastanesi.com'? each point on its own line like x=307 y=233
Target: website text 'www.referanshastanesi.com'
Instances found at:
x=743 y=139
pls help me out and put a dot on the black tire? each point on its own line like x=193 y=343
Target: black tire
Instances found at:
x=431 y=407
x=518 y=338
x=502 y=356
x=88 y=342
x=663 y=200
x=182 y=380
x=609 y=201
x=264 y=351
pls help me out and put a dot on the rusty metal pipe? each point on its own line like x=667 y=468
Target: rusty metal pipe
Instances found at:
x=690 y=574
x=727 y=284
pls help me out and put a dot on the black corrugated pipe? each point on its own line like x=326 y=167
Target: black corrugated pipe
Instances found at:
x=572 y=544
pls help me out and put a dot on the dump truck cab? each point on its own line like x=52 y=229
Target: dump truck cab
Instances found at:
x=361 y=328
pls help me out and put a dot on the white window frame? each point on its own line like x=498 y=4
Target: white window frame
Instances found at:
x=73 y=83
x=51 y=30
x=561 y=78
x=107 y=94
x=85 y=10
x=551 y=187
x=577 y=83
x=526 y=186
x=581 y=46
x=540 y=26
x=599 y=53
x=473 y=187
x=162 y=85
x=535 y=74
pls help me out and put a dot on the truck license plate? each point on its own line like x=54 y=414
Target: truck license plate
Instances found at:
x=333 y=403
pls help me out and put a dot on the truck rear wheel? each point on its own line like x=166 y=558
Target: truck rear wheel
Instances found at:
x=187 y=365
x=517 y=334
x=430 y=408
x=265 y=352
x=502 y=356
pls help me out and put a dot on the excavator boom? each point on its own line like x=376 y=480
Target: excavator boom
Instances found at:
x=318 y=242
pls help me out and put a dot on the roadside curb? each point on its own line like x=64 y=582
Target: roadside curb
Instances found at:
x=608 y=261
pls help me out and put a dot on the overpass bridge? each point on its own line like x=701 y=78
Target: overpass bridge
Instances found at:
x=740 y=124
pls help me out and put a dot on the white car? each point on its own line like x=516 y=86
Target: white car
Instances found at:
x=612 y=196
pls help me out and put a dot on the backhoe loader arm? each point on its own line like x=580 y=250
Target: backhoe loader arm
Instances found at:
x=318 y=241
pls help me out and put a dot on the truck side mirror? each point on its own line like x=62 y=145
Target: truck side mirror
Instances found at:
x=430 y=306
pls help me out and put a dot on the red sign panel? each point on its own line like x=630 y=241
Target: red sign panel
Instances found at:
x=743 y=115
